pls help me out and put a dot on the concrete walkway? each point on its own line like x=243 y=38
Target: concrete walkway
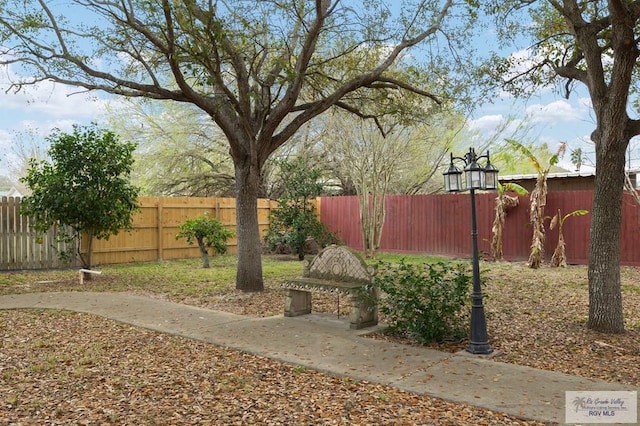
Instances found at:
x=326 y=344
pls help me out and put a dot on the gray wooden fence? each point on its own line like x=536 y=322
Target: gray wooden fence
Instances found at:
x=21 y=247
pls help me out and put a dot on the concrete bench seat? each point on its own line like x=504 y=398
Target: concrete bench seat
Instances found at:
x=335 y=270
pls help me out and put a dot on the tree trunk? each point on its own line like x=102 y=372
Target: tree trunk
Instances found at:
x=379 y=214
x=86 y=260
x=249 y=274
x=204 y=254
x=538 y=200
x=364 y=221
x=605 y=297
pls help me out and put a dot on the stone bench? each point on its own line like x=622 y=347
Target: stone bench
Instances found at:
x=335 y=270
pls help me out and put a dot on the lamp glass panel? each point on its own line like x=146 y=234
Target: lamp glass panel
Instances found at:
x=491 y=179
x=453 y=182
x=452 y=178
x=475 y=178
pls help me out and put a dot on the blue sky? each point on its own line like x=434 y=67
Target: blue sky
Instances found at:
x=39 y=109
x=46 y=106
x=552 y=119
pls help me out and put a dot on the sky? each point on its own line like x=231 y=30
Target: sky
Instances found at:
x=551 y=119
x=41 y=108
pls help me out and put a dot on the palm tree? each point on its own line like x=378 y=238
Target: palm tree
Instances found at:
x=576 y=158
x=504 y=202
x=538 y=200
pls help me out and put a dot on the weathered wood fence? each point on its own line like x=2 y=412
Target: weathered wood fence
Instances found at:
x=441 y=225
x=427 y=224
x=21 y=247
x=151 y=238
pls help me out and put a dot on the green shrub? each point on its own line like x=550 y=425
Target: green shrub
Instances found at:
x=427 y=302
x=294 y=221
x=290 y=227
x=208 y=232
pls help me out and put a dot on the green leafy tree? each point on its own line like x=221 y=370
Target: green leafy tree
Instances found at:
x=518 y=161
x=577 y=157
x=294 y=221
x=181 y=151
x=594 y=44
x=259 y=69
x=84 y=187
x=208 y=232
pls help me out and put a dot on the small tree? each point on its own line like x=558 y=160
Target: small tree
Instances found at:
x=85 y=187
x=208 y=232
x=295 y=219
x=576 y=158
x=559 y=257
x=372 y=161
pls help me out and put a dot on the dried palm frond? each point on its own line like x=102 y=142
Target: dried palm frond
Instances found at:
x=503 y=203
x=559 y=258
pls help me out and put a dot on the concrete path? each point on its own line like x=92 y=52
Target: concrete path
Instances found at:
x=326 y=344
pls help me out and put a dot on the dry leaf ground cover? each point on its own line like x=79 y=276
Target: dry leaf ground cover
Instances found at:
x=67 y=368
x=64 y=368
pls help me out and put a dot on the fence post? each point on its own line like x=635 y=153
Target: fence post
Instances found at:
x=4 y=232
x=159 y=212
x=13 y=207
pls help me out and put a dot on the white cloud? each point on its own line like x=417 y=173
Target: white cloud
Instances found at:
x=54 y=100
x=559 y=111
x=35 y=110
x=486 y=122
x=498 y=126
x=47 y=100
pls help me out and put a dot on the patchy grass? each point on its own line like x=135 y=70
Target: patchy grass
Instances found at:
x=178 y=278
x=408 y=258
x=534 y=317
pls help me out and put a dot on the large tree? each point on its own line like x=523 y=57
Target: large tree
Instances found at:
x=405 y=160
x=181 y=151
x=260 y=69
x=593 y=43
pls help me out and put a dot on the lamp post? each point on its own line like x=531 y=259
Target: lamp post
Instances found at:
x=476 y=177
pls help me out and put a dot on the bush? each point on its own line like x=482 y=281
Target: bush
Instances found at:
x=425 y=302
x=208 y=232
x=290 y=229
x=294 y=221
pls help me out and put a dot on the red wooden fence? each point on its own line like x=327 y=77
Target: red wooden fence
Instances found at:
x=441 y=225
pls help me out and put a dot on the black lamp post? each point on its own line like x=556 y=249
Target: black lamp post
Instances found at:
x=476 y=177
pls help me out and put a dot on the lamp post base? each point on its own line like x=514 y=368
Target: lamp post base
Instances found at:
x=478 y=339
x=479 y=348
